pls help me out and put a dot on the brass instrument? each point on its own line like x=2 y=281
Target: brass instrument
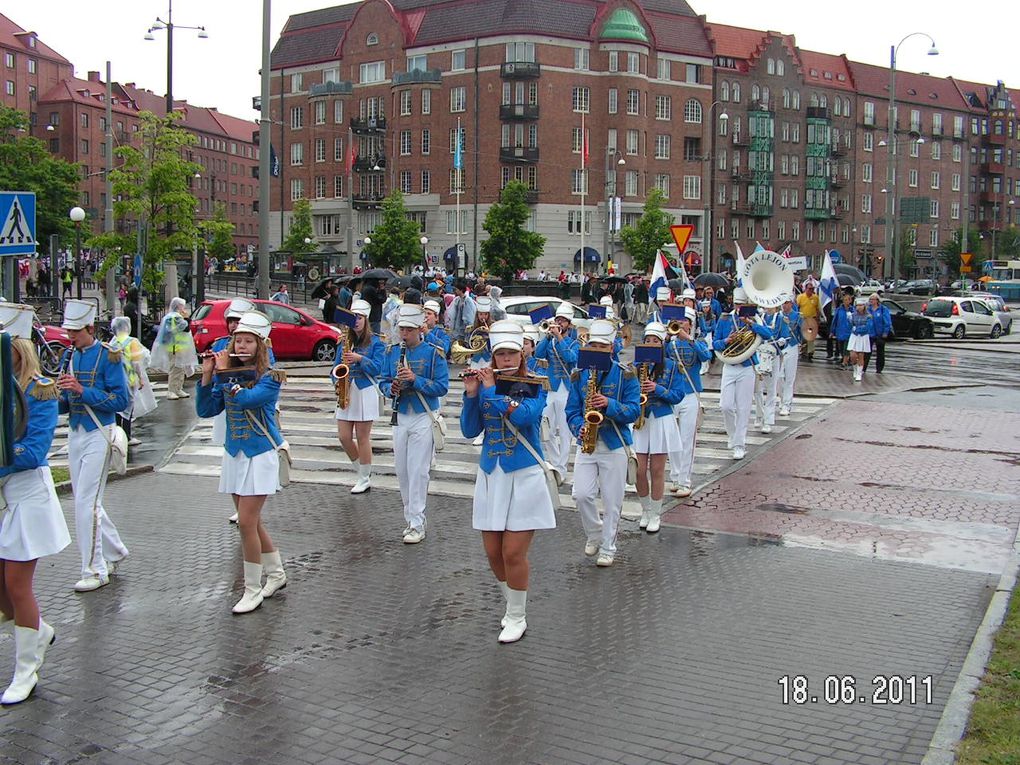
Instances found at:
x=342 y=372
x=593 y=418
x=642 y=376
x=740 y=346
x=477 y=341
x=674 y=328
x=396 y=399
x=545 y=325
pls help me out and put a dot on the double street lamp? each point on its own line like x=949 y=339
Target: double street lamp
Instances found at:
x=612 y=201
x=706 y=238
x=77 y=215
x=169 y=26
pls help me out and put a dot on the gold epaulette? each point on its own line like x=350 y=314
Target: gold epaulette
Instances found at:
x=542 y=363
x=45 y=389
x=113 y=353
x=575 y=375
x=628 y=374
x=279 y=375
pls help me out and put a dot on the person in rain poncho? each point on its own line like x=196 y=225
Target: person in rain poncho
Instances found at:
x=134 y=356
x=174 y=349
x=497 y=313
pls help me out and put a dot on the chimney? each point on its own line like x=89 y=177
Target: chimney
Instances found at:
x=94 y=77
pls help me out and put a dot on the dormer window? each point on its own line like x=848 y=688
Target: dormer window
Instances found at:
x=373 y=39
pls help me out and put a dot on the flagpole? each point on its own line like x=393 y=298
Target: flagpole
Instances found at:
x=583 y=142
x=457 y=242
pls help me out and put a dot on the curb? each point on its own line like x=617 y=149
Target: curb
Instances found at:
x=64 y=487
x=953 y=723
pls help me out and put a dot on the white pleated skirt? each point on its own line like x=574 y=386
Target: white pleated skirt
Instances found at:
x=33 y=525
x=363 y=406
x=859 y=343
x=659 y=435
x=250 y=476
x=515 y=501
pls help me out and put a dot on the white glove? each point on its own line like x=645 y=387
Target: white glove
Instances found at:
x=781 y=342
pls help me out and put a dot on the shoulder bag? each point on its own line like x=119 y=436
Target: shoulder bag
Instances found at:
x=438 y=424
x=553 y=479
x=631 y=457
x=116 y=438
x=282 y=449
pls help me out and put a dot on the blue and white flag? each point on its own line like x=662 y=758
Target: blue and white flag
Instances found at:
x=828 y=287
x=458 y=159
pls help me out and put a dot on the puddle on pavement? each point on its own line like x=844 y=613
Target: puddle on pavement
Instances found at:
x=780 y=507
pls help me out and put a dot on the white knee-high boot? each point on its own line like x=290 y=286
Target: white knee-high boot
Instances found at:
x=276 y=577
x=646 y=506
x=364 y=482
x=505 y=589
x=47 y=636
x=654 y=513
x=516 y=608
x=26 y=665
x=252 y=597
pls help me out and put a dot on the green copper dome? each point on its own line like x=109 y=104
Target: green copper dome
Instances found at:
x=624 y=25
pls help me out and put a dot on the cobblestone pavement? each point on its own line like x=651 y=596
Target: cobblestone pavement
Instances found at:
x=381 y=652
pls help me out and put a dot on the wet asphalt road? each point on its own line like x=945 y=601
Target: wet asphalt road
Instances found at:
x=943 y=361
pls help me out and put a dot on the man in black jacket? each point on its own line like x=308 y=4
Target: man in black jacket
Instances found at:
x=374 y=294
x=332 y=301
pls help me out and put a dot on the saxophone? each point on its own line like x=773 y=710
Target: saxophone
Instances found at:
x=642 y=376
x=592 y=417
x=342 y=372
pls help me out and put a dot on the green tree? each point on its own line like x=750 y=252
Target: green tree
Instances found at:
x=950 y=252
x=396 y=240
x=218 y=232
x=26 y=165
x=642 y=240
x=300 y=229
x=1007 y=244
x=510 y=247
x=152 y=185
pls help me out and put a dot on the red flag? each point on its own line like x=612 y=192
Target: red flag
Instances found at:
x=350 y=159
x=584 y=155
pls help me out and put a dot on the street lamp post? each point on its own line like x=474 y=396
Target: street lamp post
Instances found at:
x=891 y=167
x=609 y=234
x=424 y=256
x=367 y=240
x=77 y=215
x=169 y=26
x=995 y=221
x=706 y=240
x=893 y=199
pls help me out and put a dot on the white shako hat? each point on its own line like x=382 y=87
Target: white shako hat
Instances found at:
x=506 y=335
x=565 y=311
x=362 y=308
x=16 y=319
x=411 y=315
x=531 y=333
x=483 y=304
x=605 y=300
x=690 y=314
x=655 y=329
x=861 y=300
x=254 y=323
x=432 y=305
x=739 y=296
x=602 y=331
x=663 y=294
x=78 y=314
x=238 y=307
x=688 y=294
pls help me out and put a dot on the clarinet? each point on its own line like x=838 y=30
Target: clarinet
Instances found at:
x=396 y=398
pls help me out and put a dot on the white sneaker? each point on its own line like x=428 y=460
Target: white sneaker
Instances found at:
x=414 y=536
x=628 y=513
x=739 y=452
x=363 y=484
x=172 y=396
x=784 y=411
x=684 y=490
x=604 y=560
x=90 y=583
x=590 y=548
x=112 y=566
x=653 y=524
x=134 y=442
x=183 y=394
x=766 y=428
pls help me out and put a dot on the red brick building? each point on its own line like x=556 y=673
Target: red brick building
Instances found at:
x=29 y=67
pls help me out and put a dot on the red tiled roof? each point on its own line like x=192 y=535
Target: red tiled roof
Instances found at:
x=679 y=34
x=913 y=88
x=73 y=89
x=734 y=42
x=816 y=65
x=13 y=36
x=235 y=127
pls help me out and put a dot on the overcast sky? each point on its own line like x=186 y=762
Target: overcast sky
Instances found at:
x=222 y=71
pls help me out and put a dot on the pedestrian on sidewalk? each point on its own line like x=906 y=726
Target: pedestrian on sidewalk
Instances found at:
x=883 y=331
x=860 y=337
x=32 y=526
x=174 y=349
x=656 y=433
x=281 y=295
x=66 y=279
x=250 y=470
x=810 y=310
x=134 y=356
x=364 y=361
x=511 y=497
x=93 y=389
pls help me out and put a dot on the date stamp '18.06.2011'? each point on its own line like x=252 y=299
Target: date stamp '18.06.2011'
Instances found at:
x=882 y=690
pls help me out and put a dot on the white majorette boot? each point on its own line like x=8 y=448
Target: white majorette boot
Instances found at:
x=505 y=589
x=26 y=665
x=516 y=607
x=654 y=514
x=252 y=597
x=47 y=636
x=858 y=373
x=364 y=482
x=646 y=506
x=276 y=577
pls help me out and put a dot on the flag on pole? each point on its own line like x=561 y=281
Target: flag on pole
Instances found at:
x=351 y=156
x=828 y=287
x=787 y=252
x=662 y=272
x=741 y=265
x=584 y=150
x=682 y=273
x=458 y=158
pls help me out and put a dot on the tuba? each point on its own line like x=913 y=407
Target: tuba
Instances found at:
x=477 y=342
x=341 y=373
x=767 y=280
x=593 y=418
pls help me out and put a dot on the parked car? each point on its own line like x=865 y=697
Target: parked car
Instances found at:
x=894 y=285
x=518 y=307
x=55 y=335
x=960 y=316
x=998 y=305
x=908 y=323
x=919 y=287
x=295 y=334
x=870 y=287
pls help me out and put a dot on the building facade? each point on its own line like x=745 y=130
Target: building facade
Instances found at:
x=29 y=68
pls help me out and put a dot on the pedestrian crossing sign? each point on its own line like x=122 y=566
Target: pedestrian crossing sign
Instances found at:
x=17 y=223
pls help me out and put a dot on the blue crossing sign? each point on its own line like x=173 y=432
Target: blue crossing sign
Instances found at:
x=17 y=223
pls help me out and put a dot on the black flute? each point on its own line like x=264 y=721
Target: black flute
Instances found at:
x=396 y=398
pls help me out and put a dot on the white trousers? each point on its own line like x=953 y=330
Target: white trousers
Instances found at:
x=706 y=364
x=412 y=452
x=98 y=540
x=735 y=399
x=681 y=463
x=765 y=395
x=602 y=473
x=788 y=372
x=557 y=447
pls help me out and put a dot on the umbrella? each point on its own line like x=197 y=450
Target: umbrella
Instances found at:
x=378 y=273
x=614 y=279
x=848 y=280
x=717 y=281
x=320 y=289
x=401 y=282
x=846 y=268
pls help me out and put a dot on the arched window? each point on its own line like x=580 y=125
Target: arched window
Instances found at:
x=372 y=39
x=771 y=66
x=780 y=68
x=765 y=96
x=736 y=92
x=823 y=101
x=755 y=94
x=724 y=91
x=846 y=107
x=796 y=99
x=837 y=107
x=814 y=100
x=692 y=111
x=786 y=98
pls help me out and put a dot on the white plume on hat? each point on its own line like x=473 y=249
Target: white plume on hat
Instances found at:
x=16 y=320
x=361 y=307
x=605 y=300
x=78 y=314
x=237 y=307
x=602 y=331
x=655 y=329
x=483 y=304
x=411 y=315
x=254 y=323
x=506 y=334
x=739 y=296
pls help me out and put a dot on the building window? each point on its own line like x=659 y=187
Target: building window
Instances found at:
x=693 y=72
x=736 y=92
x=936 y=179
x=578 y=181
x=692 y=150
x=692 y=111
x=662 y=183
x=320 y=149
x=662 y=147
x=405 y=103
x=865 y=203
x=320 y=113
x=954 y=211
x=869 y=141
x=372 y=39
x=426 y=101
x=297 y=153
x=458 y=99
x=724 y=91
x=374 y=71
x=613 y=97
x=780 y=71
x=915 y=148
x=633 y=101
x=912 y=179
x=297 y=189
x=458 y=60
x=630 y=187
x=866 y=172
x=934 y=208
x=771 y=66
x=956 y=182
x=520 y=51
x=296 y=82
x=869 y=113
x=338 y=112
x=936 y=150
x=614 y=61
x=426 y=182
x=84 y=147
x=692 y=187
x=453 y=140
x=456 y=181
x=338 y=149
x=575 y=140
x=338 y=186
x=581 y=56
x=633 y=63
x=405 y=181
x=662 y=65
x=426 y=142
x=84 y=118
x=320 y=187
x=632 y=141
x=331 y=75
x=581 y=100
x=405 y=143
x=933 y=236
x=297 y=117
x=417 y=63
x=663 y=108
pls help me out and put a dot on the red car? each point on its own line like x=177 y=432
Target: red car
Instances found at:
x=295 y=335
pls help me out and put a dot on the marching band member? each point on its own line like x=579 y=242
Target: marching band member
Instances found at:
x=689 y=300
x=662 y=295
x=415 y=376
x=531 y=340
x=437 y=334
x=883 y=330
x=735 y=397
x=860 y=338
x=33 y=525
x=658 y=434
x=559 y=349
x=707 y=319
x=788 y=356
x=766 y=385
x=174 y=349
x=354 y=422
x=250 y=469
x=483 y=318
x=605 y=470
x=511 y=499
x=689 y=355
x=842 y=327
x=93 y=389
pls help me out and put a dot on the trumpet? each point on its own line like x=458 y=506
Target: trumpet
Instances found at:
x=674 y=327
x=545 y=325
x=478 y=341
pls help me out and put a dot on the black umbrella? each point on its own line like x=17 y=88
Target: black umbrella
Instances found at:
x=717 y=281
x=320 y=289
x=378 y=273
x=848 y=280
x=614 y=280
x=401 y=282
x=846 y=268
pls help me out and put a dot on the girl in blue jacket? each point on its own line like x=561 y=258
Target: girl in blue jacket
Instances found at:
x=842 y=324
x=239 y=381
x=862 y=330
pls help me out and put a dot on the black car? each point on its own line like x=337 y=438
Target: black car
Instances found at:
x=909 y=323
x=919 y=287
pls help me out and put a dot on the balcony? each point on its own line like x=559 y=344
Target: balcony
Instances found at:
x=988 y=197
x=741 y=139
x=958 y=135
x=371 y=125
x=836 y=182
x=839 y=151
x=818 y=113
x=520 y=70
x=869 y=120
x=344 y=88
x=518 y=112
x=742 y=175
x=993 y=168
x=937 y=131
x=751 y=209
x=817 y=213
x=518 y=154
x=368 y=201
x=418 y=77
x=837 y=213
x=368 y=164
x=996 y=139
